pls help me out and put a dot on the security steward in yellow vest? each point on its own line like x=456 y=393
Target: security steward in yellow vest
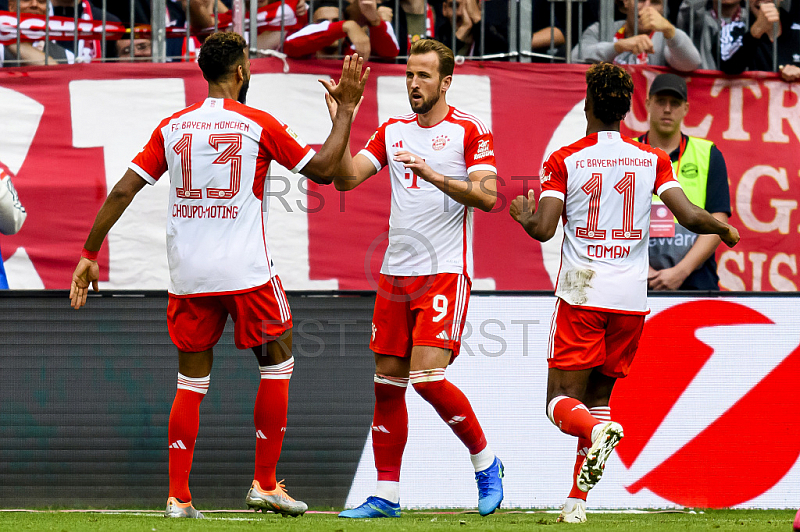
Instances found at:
x=686 y=260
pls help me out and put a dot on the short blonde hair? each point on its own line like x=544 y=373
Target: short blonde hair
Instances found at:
x=447 y=61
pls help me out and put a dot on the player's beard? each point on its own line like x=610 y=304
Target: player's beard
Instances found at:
x=425 y=105
x=243 y=91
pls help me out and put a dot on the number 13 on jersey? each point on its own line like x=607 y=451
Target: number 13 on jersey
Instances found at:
x=233 y=145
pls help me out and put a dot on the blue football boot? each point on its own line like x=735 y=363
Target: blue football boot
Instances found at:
x=490 y=487
x=374 y=507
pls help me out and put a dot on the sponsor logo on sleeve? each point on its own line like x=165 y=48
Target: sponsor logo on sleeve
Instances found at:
x=484 y=150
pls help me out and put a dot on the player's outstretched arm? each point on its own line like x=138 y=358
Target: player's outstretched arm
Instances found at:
x=323 y=167
x=352 y=171
x=87 y=272
x=540 y=223
x=696 y=219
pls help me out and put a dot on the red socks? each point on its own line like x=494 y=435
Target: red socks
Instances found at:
x=184 y=422
x=269 y=417
x=603 y=415
x=571 y=417
x=452 y=406
x=389 y=426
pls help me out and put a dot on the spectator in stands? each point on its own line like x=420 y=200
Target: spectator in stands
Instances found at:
x=38 y=52
x=12 y=213
x=657 y=43
x=468 y=27
x=142 y=50
x=685 y=260
x=367 y=30
x=416 y=20
x=294 y=20
x=540 y=40
x=747 y=48
x=87 y=50
x=707 y=21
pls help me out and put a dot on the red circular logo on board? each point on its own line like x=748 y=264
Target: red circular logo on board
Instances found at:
x=740 y=455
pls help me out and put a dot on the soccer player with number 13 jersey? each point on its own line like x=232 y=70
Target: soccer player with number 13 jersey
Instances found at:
x=603 y=187
x=217 y=153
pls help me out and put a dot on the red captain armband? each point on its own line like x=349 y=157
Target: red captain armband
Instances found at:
x=91 y=255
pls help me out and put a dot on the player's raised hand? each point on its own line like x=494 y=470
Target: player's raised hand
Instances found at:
x=333 y=106
x=731 y=236
x=87 y=272
x=348 y=91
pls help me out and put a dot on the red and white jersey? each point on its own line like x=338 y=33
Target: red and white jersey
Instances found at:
x=218 y=152
x=430 y=232
x=607 y=183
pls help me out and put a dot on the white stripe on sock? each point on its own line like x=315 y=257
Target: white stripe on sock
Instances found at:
x=552 y=406
x=400 y=382
x=426 y=375
x=192 y=384
x=278 y=371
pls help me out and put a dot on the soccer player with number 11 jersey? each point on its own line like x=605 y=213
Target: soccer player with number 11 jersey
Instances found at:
x=603 y=187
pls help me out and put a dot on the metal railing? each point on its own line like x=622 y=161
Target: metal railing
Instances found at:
x=694 y=19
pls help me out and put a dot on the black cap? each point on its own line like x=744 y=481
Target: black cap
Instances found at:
x=670 y=83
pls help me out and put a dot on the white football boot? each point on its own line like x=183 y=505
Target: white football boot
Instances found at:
x=607 y=437
x=176 y=508
x=574 y=511
x=276 y=500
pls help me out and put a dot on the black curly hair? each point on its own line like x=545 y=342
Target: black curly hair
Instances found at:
x=609 y=88
x=220 y=54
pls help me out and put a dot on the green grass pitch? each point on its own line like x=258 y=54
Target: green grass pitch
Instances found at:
x=147 y=521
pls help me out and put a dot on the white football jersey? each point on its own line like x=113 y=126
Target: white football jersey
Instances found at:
x=607 y=183
x=218 y=153
x=430 y=232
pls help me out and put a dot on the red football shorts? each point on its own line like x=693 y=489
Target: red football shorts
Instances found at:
x=582 y=339
x=420 y=310
x=259 y=316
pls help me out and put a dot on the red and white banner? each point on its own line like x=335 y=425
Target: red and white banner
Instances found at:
x=710 y=411
x=69 y=132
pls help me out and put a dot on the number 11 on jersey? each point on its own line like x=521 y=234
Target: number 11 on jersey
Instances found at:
x=594 y=188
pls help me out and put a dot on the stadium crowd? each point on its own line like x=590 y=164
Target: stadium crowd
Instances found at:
x=732 y=36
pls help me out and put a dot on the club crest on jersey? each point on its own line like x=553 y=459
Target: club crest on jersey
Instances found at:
x=440 y=142
x=484 y=150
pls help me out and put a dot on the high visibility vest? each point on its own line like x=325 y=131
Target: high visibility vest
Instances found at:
x=691 y=170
